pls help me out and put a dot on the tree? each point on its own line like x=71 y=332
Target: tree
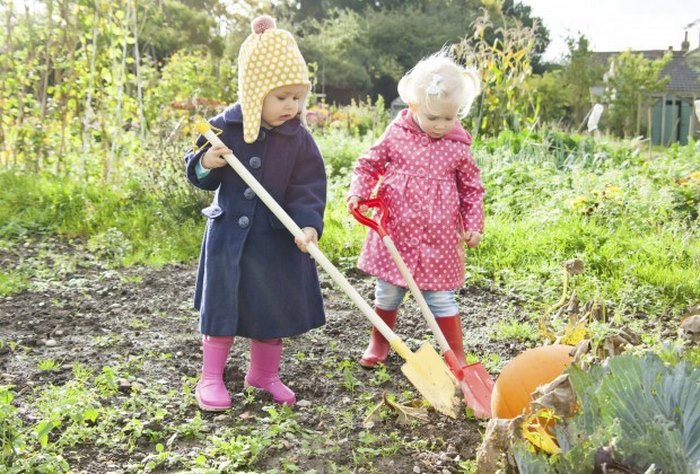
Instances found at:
x=170 y=25
x=581 y=72
x=631 y=82
x=555 y=105
x=367 y=52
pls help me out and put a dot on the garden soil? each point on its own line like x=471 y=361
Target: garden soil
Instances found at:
x=79 y=311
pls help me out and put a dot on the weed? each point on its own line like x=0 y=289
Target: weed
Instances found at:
x=108 y=340
x=467 y=466
x=300 y=356
x=11 y=283
x=194 y=428
x=350 y=382
x=492 y=362
x=380 y=375
x=136 y=279
x=11 y=345
x=107 y=382
x=49 y=365
x=249 y=396
x=515 y=330
x=137 y=324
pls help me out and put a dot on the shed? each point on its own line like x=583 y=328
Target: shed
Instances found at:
x=672 y=117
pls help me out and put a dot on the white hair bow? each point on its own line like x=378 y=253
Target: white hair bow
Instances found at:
x=433 y=88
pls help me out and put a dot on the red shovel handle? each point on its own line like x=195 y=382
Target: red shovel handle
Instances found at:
x=375 y=203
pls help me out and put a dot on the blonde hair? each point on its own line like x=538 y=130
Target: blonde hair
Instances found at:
x=437 y=80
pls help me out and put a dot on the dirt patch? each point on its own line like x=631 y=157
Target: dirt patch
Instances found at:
x=78 y=311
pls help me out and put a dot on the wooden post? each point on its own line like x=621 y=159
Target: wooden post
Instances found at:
x=650 y=131
x=663 y=119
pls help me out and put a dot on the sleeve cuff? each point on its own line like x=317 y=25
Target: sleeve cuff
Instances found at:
x=201 y=171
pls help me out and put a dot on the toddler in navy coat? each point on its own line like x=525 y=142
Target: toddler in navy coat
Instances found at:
x=255 y=280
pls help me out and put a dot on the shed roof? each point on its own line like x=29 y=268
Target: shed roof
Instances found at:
x=684 y=68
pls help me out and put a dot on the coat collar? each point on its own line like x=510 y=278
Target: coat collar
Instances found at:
x=234 y=114
x=405 y=121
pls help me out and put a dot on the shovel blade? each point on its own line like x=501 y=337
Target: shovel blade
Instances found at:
x=428 y=373
x=477 y=386
x=475 y=382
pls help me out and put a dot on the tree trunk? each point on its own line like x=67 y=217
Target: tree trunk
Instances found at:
x=47 y=59
x=3 y=73
x=115 y=148
x=70 y=38
x=139 y=88
x=89 y=115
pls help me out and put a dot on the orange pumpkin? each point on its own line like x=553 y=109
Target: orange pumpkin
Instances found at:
x=522 y=375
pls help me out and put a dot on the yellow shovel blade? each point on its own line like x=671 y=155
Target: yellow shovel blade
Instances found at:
x=432 y=378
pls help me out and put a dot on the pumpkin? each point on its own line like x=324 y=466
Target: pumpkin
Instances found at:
x=522 y=375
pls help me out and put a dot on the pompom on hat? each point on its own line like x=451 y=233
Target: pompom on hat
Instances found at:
x=269 y=58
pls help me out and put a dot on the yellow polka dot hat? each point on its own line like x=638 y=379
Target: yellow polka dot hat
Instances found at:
x=269 y=58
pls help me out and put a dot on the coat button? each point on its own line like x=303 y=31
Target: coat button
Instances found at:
x=248 y=193
x=243 y=222
x=414 y=242
x=262 y=135
x=213 y=211
x=255 y=162
x=425 y=141
x=420 y=171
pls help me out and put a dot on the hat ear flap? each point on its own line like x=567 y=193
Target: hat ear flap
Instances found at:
x=252 y=108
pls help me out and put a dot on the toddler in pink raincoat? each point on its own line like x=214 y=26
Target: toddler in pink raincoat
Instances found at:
x=432 y=189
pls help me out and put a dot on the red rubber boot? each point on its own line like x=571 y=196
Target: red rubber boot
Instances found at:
x=378 y=347
x=451 y=327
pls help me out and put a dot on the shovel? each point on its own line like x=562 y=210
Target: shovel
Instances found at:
x=424 y=368
x=474 y=381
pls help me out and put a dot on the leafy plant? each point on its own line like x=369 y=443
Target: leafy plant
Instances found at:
x=49 y=365
x=504 y=65
x=380 y=375
x=636 y=411
x=515 y=330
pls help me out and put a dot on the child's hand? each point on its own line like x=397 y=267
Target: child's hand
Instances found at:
x=214 y=157
x=472 y=239
x=352 y=204
x=311 y=236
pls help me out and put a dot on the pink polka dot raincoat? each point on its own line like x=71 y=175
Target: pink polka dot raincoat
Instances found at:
x=433 y=191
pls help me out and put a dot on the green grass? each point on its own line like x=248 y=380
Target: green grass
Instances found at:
x=122 y=225
x=632 y=219
x=11 y=283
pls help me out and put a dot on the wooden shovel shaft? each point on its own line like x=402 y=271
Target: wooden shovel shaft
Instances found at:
x=417 y=294
x=396 y=343
x=474 y=381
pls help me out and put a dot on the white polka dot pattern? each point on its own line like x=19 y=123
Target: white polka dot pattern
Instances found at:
x=433 y=191
x=266 y=61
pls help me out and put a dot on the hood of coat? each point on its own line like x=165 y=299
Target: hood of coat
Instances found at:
x=234 y=114
x=405 y=121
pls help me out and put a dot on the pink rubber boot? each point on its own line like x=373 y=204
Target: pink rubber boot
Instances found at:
x=263 y=372
x=211 y=392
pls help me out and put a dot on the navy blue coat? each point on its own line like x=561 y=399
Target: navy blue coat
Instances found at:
x=252 y=280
